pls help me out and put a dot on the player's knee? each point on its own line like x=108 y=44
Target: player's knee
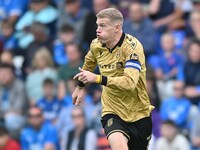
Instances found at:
x=118 y=141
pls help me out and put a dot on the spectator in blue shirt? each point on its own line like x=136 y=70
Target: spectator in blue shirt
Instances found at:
x=66 y=35
x=40 y=11
x=7 y=37
x=49 y=103
x=10 y=9
x=140 y=27
x=176 y=108
x=166 y=64
x=38 y=135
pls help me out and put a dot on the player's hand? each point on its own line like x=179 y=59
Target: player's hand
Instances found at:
x=86 y=76
x=77 y=96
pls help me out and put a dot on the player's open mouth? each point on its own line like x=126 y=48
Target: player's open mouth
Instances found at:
x=98 y=36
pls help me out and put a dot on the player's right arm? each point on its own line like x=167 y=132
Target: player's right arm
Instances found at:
x=90 y=64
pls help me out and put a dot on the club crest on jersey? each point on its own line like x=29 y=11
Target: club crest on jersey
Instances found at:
x=119 y=65
x=110 y=122
x=134 y=57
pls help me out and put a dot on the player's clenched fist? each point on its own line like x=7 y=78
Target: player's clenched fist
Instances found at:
x=77 y=96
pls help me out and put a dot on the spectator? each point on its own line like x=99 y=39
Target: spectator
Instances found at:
x=81 y=137
x=8 y=38
x=38 y=135
x=166 y=65
x=12 y=98
x=6 y=142
x=196 y=4
x=89 y=30
x=49 y=103
x=171 y=139
x=43 y=68
x=67 y=35
x=195 y=134
x=41 y=39
x=140 y=27
x=164 y=12
x=65 y=72
x=195 y=22
x=177 y=107
x=8 y=58
x=73 y=15
x=190 y=72
x=168 y=61
x=40 y=11
x=10 y=10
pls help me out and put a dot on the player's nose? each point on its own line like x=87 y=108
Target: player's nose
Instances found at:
x=98 y=30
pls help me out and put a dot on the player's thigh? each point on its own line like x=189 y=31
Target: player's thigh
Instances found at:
x=118 y=141
x=140 y=132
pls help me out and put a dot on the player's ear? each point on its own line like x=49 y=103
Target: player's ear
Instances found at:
x=117 y=27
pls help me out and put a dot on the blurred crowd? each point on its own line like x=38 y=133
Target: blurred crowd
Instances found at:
x=42 y=44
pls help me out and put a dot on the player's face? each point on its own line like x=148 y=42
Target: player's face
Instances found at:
x=105 y=30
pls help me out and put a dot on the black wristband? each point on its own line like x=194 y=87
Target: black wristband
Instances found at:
x=81 y=84
x=104 y=80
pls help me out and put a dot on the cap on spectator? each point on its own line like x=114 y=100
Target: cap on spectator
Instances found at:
x=38 y=1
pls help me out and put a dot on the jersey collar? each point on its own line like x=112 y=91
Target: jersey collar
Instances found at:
x=119 y=43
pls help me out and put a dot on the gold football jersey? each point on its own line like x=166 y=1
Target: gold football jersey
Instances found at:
x=123 y=74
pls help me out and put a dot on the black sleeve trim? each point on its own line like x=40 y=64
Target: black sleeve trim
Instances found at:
x=104 y=80
x=81 y=84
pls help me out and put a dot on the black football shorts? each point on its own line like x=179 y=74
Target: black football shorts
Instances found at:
x=138 y=133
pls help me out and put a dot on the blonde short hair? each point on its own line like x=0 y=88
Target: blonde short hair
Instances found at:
x=43 y=53
x=111 y=13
